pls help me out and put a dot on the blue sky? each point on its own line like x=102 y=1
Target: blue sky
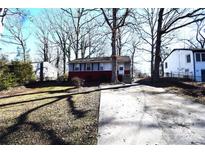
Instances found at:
x=11 y=50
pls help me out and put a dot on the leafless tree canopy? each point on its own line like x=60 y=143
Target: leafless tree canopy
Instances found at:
x=71 y=33
x=16 y=30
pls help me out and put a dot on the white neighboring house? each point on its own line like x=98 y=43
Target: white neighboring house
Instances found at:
x=45 y=70
x=186 y=63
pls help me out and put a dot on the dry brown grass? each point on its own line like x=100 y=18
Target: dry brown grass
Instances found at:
x=196 y=92
x=49 y=115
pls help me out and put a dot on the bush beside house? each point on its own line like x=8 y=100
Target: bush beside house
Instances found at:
x=7 y=79
x=14 y=74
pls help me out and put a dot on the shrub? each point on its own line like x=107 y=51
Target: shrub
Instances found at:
x=22 y=72
x=63 y=77
x=76 y=81
x=16 y=73
x=7 y=80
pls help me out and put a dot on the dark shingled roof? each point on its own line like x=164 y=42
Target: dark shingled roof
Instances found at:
x=101 y=59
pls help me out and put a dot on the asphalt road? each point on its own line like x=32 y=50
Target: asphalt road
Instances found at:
x=148 y=115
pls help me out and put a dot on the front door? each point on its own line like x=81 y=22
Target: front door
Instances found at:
x=203 y=75
x=121 y=70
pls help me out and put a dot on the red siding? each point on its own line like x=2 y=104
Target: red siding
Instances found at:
x=92 y=75
x=95 y=75
x=127 y=71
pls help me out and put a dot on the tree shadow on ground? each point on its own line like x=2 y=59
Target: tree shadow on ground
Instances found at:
x=40 y=92
x=68 y=94
x=23 y=118
x=41 y=84
x=76 y=112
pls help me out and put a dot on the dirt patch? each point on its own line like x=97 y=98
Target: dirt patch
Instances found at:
x=49 y=115
x=192 y=90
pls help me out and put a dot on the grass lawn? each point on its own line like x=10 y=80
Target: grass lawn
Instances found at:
x=49 y=115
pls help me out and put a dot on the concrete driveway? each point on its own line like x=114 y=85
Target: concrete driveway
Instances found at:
x=147 y=115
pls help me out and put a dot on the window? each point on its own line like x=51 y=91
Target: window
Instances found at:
x=203 y=57
x=95 y=67
x=198 y=57
x=188 y=58
x=186 y=70
x=101 y=66
x=77 y=67
x=88 y=67
x=82 y=67
x=70 y=67
x=121 y=68
x=165 y=64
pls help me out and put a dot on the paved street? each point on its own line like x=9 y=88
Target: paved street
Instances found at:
x=147 y=115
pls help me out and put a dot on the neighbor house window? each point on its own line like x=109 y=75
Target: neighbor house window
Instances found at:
x=165 y=64
x=77 y=67
x=188 y=58
x=203 y=57
x=198 y=57
x=186 y=70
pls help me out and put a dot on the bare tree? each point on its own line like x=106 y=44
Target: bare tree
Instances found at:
x=115 y=21
x=93 y=42
x=43 y=36
x=79 y=19
x=170 y=20
x=197 y=41
x=146 y=27
x=9 y=12
x=15 y=28
x=61 y=35
x=146 y=19
x=133 y=50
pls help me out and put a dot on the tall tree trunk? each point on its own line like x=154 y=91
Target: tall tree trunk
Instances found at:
x=152 y=61
x=57 y=61
x=77 y=39
x=158 y=47
x=64 y=61
x=24 y=53
x=45 y=56
x=119 y=42
x=113 y=44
